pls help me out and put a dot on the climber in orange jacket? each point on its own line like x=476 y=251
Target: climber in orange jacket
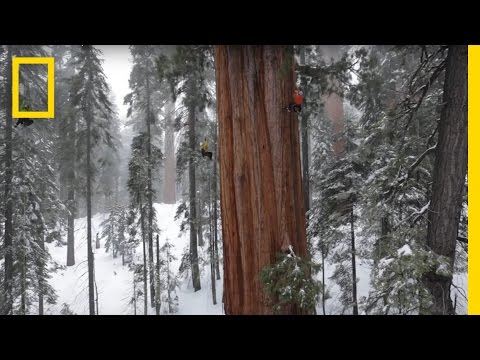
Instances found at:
x=298 y=97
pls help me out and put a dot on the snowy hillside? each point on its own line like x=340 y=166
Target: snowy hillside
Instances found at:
x=115 y=281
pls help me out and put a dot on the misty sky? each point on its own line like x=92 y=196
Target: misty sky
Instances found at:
x=117 y=67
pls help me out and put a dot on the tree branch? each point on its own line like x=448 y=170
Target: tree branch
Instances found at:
x=412 y=167
x=462 y=239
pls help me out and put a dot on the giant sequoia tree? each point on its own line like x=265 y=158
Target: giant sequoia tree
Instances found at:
x=260 y=173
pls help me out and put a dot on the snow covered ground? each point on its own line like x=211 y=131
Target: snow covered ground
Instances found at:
x=115 y=282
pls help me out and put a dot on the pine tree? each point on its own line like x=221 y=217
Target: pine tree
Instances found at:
x=35 y=217
x=399 y=94
x=113 y=231
x=188 y=70
x=138 y=187
x=35 y=205
x=65 y=118
x=90 y=94
x=8 y=175
x=169 y=183
x=169 y=278
x=337 y=178
x=144 y=85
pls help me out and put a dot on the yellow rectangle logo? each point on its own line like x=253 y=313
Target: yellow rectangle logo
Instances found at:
x=50 y=113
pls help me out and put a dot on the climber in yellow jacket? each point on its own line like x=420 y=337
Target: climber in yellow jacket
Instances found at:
x=24 y=121
x=204 y=149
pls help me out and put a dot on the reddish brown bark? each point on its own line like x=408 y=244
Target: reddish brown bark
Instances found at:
x=261 y=192
x=334 y=111
x=334 y=103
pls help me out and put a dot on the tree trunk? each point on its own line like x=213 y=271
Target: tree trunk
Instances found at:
x=150 y=198
x=41 y=272
x=8 y=232
x=96 y=294
x=97 y=242
x=91 y=294
x=448 y=178
x=261 y=191
x=23 y=273
x=215 y=204
x=334 y=103
x=134 y=295
x=193 y=203
x=71 y=220
x=168 y=282
x=381 y=243
x=113 y=241
x=145 y=278
x=305 y=145
x=157 y=294
x=354 y=266
x=323 y=282
x=169 y=185
x=71 y=195
x=200 y=223
x=211 y=246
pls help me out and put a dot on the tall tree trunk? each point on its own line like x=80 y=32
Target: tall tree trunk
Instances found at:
x=71 y=195
x=168 y=282
x=354 y=265
x=448 y=178
x=199 y=223
x=23 y=274
x=305 y=144
x=71 y=219
x=211 y=246
x=215 y=204
x=334 y=103
x=41 y=272
x=323 y=280
x=145 y=278
x=157 y=294
x=91 y=294
x=382 y=241
x=96 y=294
x=193 y=202
x=134 y=295
x=169 y=185
x=261 y=187
x=8 y=235
x=97 y=242
x=150 y=197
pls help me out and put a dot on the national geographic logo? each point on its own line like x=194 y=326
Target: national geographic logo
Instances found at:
x=50 y=113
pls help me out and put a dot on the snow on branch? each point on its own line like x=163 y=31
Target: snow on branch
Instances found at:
x=401 y=179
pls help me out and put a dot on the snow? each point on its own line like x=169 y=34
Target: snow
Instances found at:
x=115 y=287
x=114 y=281
x=459 y=292
x=333 y=305
x=405 y=250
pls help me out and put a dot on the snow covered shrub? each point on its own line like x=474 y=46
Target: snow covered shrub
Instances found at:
x=289 y=281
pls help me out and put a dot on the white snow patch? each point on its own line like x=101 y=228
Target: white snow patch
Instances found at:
x=114 y=281
x=405 y=250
